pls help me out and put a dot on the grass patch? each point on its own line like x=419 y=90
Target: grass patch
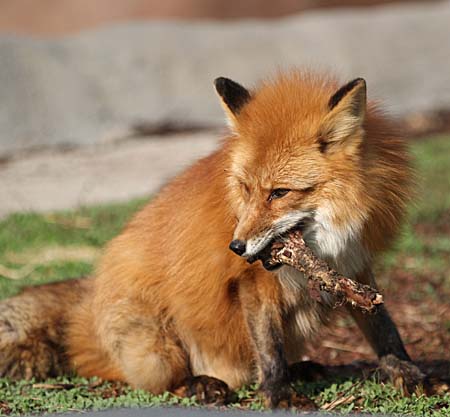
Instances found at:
x=26 y=240
x=88 y=227
x=433 y=165
x=426 y=236
x=78 y=394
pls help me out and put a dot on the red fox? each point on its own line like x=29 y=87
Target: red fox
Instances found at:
x=170 y=304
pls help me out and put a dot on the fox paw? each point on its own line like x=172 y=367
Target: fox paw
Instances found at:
x=404 y=375
x=207 y=390
x=284 y=396
x=306 y=371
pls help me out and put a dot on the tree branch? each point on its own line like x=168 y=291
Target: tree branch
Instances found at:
x=294 y=252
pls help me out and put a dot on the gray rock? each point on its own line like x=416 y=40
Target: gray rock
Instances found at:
x=98 y=85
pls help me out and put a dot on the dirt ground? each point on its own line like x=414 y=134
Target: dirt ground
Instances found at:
x=422 y=323
x=419 y=306
x=56 y=17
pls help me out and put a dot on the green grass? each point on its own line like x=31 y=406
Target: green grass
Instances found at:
x=433 y=163
x=80 y=235
x=78 y=394
x=425 y=238
x=31 y=234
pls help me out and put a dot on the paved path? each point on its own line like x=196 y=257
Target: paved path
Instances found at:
x=53 y=180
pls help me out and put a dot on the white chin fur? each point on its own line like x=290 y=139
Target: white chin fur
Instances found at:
x=340 y=246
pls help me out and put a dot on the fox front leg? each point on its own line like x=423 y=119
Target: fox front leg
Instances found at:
x=263 y=316
x=273 y=367
x=382 y=334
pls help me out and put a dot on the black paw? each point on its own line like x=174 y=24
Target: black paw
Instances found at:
x=284 y=396
x=207 y=390
x=306 y=371
x=404 y=375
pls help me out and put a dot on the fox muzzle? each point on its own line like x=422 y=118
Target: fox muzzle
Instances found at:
x=238 y=246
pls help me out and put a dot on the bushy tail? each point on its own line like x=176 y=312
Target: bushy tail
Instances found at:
x=32 y=329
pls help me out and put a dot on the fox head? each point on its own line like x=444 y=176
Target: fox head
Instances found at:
x=301 y=155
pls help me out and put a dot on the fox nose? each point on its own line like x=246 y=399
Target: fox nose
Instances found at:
x=238 y=246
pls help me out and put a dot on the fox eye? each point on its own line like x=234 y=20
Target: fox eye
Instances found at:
x=278 y=193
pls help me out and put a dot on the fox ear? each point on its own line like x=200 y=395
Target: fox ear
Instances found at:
x=233 y=97
x=343 y=125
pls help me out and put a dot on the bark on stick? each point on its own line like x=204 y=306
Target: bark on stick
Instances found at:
x=294 y=252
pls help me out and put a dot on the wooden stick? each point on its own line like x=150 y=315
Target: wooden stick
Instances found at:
x=294 y=252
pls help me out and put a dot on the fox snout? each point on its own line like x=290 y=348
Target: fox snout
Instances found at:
x=238 y=246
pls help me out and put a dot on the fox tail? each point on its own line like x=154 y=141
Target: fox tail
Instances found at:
x=32 y=329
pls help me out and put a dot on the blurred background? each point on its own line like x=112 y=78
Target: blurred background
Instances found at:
x=81 y=75
x=57 y=17
x=103 y=101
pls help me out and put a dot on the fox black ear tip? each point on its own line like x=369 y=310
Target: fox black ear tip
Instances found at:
x=360 y=81
x=220 y=82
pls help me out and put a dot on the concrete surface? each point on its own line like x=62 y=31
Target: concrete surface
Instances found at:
x=53 y=180
x=97 y=85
